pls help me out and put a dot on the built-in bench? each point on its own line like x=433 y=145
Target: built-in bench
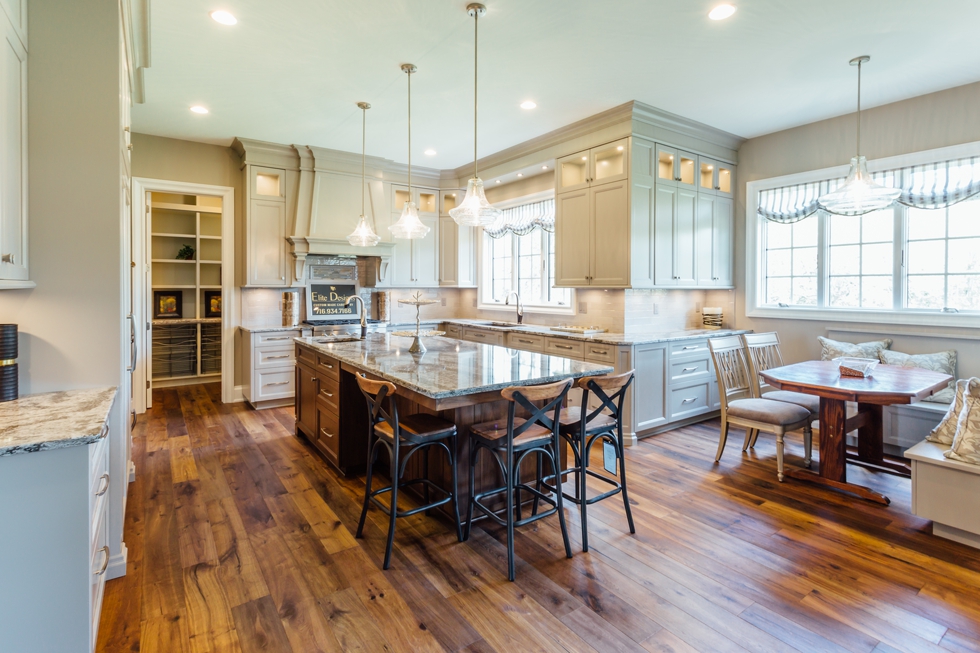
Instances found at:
x=947 y=492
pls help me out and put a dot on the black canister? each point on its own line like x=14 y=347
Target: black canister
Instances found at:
x=8 y=362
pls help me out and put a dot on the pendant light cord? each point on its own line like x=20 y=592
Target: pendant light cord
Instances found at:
x=363 y=151
x=859 y=111
x=409 y=135
x=476 y=51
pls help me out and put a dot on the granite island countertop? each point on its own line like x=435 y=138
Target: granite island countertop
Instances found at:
x=54 y=420
x=640 y=338
x=452 y=368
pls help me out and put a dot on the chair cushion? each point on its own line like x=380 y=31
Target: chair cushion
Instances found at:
x=495 y=433
x=571 y=418
x=943 y=361
x=417 y=427
x=810 y=402
x=831 y=349
x=767 y=411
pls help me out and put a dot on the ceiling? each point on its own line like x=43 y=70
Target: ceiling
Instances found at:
x=292 y=72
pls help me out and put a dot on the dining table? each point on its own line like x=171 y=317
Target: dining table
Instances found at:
x=887 y=385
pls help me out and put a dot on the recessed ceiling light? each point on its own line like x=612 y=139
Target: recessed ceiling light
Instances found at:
x=721 y=12
x=528 y=104
x=585 y=158
x=620 y=148
x=223 y=17
x=430 y=152
x=498 y=181
x=197 y=108
x=520 y=174
x=544 y=167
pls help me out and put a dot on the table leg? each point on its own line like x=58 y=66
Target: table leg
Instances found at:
x=871 y=454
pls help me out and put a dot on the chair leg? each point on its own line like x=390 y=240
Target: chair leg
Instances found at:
x=808 y=445
x=779 y=456
x=511 y=573
x=722 y=439
x=537 y=486
x=582 y=493
x=452 y=465
x=394 y=515
x=372 y=456
x=755 y=438
x=425 y=474
x=748 y=439
x=472 y=486
x=622 y=480
x=558 y=495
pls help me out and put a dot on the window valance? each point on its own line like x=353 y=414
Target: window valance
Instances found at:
x=522 y=220
x=924 y=186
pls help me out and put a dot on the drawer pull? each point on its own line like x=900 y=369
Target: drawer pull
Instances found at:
x=689 y=400
x=329 y=394
x=279 y=383
x=328 y=366
x=526 y=342
x=105 y=485
x=686 y=347
x=324 y=431
x=688 y=369
x=271 y=339
x=105 y=561
x=269 y=358
x=563 y=347
x=599 y=351
x=480 y=335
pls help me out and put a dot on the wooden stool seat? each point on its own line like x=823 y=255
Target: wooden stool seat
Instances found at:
x=571 y=421
x=494 y=434
x=417 y=428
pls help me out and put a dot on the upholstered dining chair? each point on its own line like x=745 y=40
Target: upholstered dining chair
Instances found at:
x=739 y=408
x=763 y=354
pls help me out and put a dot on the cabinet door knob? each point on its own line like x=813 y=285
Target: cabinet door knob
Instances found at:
x=130 y=147
x=105 y=485
x=105 y=561
x=8 y=258
x=717 y=187
x=677 y=178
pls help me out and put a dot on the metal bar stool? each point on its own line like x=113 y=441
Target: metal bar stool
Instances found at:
x=403 y=438
x=582 y=427
x=510 y=444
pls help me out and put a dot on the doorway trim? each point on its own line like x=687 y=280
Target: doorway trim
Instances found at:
x=230 y=314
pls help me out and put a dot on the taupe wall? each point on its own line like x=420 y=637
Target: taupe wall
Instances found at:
x=155 y=157
x=940 y=119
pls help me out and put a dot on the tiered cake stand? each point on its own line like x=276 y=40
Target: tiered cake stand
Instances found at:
x=417 y=346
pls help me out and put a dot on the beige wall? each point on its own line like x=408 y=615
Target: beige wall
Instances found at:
x=940 y=119
x=155 y=157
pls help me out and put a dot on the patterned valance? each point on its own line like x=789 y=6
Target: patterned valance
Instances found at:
x=926 y=186
x=522 y=220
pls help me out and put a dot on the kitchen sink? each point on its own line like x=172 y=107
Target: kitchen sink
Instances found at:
x=506 y=325
x=347 y=337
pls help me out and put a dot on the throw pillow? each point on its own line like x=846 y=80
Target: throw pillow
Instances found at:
x=831 y=349
x=944 y=361
x=966 y=444
x=946 y=430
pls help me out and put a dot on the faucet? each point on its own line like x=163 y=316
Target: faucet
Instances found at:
x=363 y=312
x=520 y=306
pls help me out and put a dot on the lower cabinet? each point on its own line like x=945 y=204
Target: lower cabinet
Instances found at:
x=330 y=410
x=269 y=362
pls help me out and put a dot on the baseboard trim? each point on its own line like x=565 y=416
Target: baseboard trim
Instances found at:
x=956 y=534
x=117 y=563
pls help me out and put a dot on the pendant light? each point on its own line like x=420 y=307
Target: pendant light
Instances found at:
x=363 y=235
x=475 y=210
x=409 y=226
x=859 y=194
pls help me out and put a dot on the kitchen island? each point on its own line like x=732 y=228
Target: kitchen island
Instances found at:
x=459 y=381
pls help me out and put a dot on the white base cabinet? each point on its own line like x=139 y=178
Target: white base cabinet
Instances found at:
x=269 y=362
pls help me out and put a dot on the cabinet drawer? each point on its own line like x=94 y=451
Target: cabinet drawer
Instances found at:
x=692 y=369
x=328 y=367
x=565 y=348
x=600 y=353
x=99 y=562
x=486 y=337
x=276 y=337
x=526 y=342
x=99 y=454
x=454 y=331
x=688 y=401
x=274 y=384
x=327 y=432
x=693 y=348
x=330 y=392
x=273 y=357
x=306 y=355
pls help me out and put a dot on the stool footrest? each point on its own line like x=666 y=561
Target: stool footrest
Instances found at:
x=527 y=520
x=408 y=513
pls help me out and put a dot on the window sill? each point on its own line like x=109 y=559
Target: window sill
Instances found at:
x=960 y=320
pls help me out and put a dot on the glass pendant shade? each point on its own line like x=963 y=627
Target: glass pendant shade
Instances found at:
x=363 y=235
x=859 y=194
x=409 y=226
x=475 y=210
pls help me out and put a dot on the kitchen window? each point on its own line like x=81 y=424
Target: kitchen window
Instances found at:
x=519 y=254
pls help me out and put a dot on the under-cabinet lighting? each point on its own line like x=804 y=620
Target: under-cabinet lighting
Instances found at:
x=711 y=167
x=528 y=104
x=721 y=12
x=224 y=17
x=199 y=109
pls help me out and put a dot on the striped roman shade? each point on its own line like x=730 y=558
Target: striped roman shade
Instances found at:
x=522 y=220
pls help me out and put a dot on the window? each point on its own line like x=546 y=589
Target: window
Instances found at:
x=860 y=260
x=791 y=263
x=944 y=257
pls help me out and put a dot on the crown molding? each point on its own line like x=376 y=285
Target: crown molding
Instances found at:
x=136 y=37
x=263 y=153
x=711 y=138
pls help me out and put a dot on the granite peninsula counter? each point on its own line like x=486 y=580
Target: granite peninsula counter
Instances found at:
x=459 y=381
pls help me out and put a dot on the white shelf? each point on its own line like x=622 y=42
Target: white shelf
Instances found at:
x=169 y=287
x=164 y=235
x=190 y=208
x=170 y=260
x=210 y=262
x=204 y=237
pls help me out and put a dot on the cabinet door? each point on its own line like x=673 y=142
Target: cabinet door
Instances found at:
x=267 y=183
x=677 y=167
x=572 y=172
x=13 y=157
x=705 y=239
x=611 y=235
x=448 y=252
x=267 y=243
x=649 y=363
x=684 y=239
x=573 y=233
x=722 y=245
x=306 y=392
x=716 y=177
x=401 y=262
x=610 y=163
x=425 y=255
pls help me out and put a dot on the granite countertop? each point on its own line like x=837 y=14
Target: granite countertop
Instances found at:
x=272 y=329
x=188 y=320
x=54 y=420
x=641 y=338
x=452 y=368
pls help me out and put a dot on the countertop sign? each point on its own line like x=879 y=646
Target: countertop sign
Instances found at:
x=327 y=301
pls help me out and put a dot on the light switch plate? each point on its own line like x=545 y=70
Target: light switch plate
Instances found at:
x=583 y=308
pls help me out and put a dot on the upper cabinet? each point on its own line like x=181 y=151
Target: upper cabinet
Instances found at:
x=599 y=165
x=457 y=245
x=716 y=177
x=676 y=167
x=13 y=150
x=265 y=262
x=415 y=263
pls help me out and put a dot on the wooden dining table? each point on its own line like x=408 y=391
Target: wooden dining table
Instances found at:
x=886 y=386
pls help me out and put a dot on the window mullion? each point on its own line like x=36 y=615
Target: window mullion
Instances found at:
x=899 y=247
x=823 y=259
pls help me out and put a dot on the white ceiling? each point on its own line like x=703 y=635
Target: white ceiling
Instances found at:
x=291 y=72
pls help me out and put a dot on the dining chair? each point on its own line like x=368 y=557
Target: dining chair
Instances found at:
x=763 y=354
x=404 y=437
x=738 y=406
x=510 y=441
x=596 y=420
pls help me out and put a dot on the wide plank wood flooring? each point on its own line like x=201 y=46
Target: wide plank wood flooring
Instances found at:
x=241 y=539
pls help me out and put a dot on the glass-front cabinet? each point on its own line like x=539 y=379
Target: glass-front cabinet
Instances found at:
x=676 y=167
x=715 y=176
x=599 y=165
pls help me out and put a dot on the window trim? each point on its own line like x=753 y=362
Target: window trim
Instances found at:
x=483 y=267
x=755 y=250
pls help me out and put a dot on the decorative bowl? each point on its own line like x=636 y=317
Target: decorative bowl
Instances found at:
x=856 y=367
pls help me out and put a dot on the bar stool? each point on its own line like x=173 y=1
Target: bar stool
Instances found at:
x=404 y=438
x=510 y=444
x=581 y=427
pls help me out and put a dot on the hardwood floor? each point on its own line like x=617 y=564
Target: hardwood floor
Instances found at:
x=240 y=539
